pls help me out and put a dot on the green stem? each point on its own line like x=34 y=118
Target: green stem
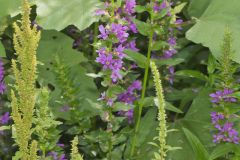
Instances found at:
x=143 y=90
x=95 y=38
x=110 y=145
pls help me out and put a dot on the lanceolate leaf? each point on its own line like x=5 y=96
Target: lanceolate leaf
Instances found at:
x=198 y=148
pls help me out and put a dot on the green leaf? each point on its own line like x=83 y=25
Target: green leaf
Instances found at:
x=55 y=43
x=58 y=14
x=169 y=106
x=198 y=148
x=172 y=108
x=136 y=57
x=169 y=62
x=179 y=8
x=121 y=107
x=198 y=121
x=9 y=7
x=143 y=27
x=140 y=9
x=222 y=150
x=196 y=7
x=192 y=74
x=209 y=28
x=159 y=45
x=2 y=50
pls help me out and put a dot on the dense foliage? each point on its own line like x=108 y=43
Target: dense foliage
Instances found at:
x=119 y=80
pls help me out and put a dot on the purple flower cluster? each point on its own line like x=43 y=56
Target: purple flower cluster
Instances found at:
x=128 y=114
x=222 y=95
x=55 y=156
x=108 y=100
x=171 y=51
x=4 y=119
x=128 y=97
x=171 y=75
x=112 y=58
x=2 y=84
x=159 y=7
x=226 y=132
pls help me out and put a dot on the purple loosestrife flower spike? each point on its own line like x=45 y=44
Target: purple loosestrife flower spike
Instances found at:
x=219 y=96
x=130 y=7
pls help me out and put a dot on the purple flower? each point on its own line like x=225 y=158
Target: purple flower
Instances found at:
x=129 y=96
x=110 y=102
x=2 y=84
x=60 y=145
x=136 y=85
x=65 y=109
x=219 y=96
x=2 y=87
x=171 y=76
x=158 y=8
x=120 y=31
x=103 y=31
x=169 y=53
x=119 y=51
x=178 y=22
x=2 y=72
x=132 y=26
x=100 y=12
x=216 y=117
x=172 y=41
x=116 y=75
x=55 y=156
x=128 y=114
x=225 y=132
x=106 y=60
x=132 y=45
x=130 y=7
x=4 y=119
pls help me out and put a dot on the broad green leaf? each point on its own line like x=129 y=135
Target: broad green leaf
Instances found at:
x=198 y=148
x=55 y=44
x=147 y=131
x=221 y=150
x=136 y=57
x=58 y=14
x=9 y=7
x=198 y=121
x=192 y=74
x=197 y=7
x=209 y=28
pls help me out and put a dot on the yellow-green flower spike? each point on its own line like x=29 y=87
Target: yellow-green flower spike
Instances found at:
x=25 y=40
x=161 y=113
x=75 y=154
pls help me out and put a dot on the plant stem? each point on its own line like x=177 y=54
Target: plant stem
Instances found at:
x=95 y=38
x=110 y=128
x=143 y=90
